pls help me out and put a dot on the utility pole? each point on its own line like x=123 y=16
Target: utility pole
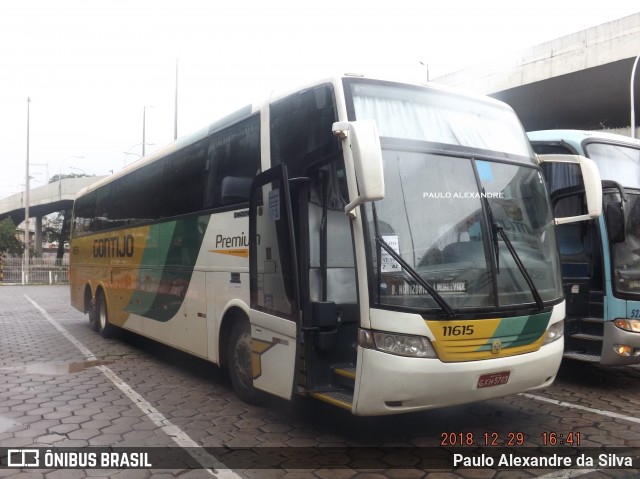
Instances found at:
x=175 y=107
x=26 y=206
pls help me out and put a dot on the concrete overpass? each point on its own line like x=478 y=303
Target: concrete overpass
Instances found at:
x=44 y=200
x=577 y=81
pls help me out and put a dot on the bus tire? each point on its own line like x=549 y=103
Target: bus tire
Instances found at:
x=106 y=329
x=94 y=322
x=239 y=363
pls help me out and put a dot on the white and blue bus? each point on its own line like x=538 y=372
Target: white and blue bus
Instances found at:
x=381 y=246
x=600 y=258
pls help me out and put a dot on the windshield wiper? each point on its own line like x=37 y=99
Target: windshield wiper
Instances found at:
x=494 y=230
x=414 y=274
x=499 y=230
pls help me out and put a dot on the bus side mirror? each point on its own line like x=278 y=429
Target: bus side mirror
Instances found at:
x=361 y=142
x=614 y=220
x=591 y=181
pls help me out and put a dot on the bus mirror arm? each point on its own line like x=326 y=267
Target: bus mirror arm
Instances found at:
x=614 y=221
x=363 y=156
x=592 y=185
x=614 y=184
x=614 y=218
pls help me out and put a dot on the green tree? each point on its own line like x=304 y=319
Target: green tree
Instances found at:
x=52 y=226
x=9 y=243
x=58 y=228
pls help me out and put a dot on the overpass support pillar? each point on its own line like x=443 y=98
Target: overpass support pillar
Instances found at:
x=38 y=238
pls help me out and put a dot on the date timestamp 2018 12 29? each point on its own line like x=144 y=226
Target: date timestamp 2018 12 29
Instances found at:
x=509 y=439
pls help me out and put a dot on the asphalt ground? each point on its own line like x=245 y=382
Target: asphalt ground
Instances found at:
x=70 y=396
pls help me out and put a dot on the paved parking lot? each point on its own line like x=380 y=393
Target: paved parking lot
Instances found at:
x=64 y=388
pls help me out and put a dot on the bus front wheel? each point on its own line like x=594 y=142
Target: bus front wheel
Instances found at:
x=239 y=364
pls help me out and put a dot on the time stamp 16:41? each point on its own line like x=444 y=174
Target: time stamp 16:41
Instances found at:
x=509 y=439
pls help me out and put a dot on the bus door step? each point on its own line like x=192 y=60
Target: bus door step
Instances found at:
x=342 y=399
x=592 y=320
x=587 y=329
x=587 y=337
x=345 y=376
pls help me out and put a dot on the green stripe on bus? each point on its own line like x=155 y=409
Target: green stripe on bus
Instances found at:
x=519 y=331
x=165 y=273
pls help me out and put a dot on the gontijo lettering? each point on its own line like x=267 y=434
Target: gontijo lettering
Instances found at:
x=114 y=247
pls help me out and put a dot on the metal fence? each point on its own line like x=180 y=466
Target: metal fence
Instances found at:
x=41 y=271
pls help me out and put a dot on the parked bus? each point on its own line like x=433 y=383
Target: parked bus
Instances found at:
x=600 y=258
x=383 y=247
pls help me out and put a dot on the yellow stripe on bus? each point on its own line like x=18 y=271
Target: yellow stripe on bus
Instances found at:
x=241 y=253
x=472 y=340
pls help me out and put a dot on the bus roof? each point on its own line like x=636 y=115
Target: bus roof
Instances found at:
x=575 y=138
x=250 y=109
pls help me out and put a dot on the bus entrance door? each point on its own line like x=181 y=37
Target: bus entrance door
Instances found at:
x=273 y=269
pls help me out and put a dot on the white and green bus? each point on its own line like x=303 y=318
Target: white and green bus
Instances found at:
x=381 y=246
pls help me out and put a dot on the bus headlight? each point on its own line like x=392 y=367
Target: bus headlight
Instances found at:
x=632 y=325
x=626 y=350
x=403 y=345
x=554 y=332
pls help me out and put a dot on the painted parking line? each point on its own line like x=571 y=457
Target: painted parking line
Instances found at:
x=178 y=436
x=601 y=412
x=221 y=471
x=571 y=473
x=567 y=474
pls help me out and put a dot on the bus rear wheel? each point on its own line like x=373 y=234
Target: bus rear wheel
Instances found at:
x=94 y=322
x=105 y=328
x=239 y=364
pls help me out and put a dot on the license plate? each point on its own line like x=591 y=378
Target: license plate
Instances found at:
x=493 y=379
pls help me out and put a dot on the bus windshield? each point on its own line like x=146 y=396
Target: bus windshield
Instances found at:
x=626 y=255
x=616 y=162
x=435 y=212
x=441 y=117
x=621 y=163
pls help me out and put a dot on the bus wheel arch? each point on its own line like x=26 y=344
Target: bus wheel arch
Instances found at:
x=235 y=355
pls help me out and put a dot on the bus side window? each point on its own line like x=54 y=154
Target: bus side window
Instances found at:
x=185 y=169
x=301 y=130
x=232 y=162
x=147 y=186
x=83 y=214
x=102 y=214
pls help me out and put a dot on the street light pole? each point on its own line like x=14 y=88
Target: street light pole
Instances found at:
x=129 y=152
x=426 y=65
x=144 y=126
x=175 y=107
x=26 y=205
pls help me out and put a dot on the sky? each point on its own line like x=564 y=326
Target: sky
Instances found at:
x=90 y=68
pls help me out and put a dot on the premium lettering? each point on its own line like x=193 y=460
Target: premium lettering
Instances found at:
x=232 y=241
